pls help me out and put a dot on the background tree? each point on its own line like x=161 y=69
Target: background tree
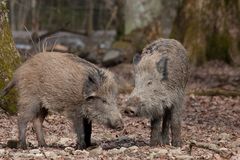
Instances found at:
x=9 y=58
x=139 y=14
x=209 y=30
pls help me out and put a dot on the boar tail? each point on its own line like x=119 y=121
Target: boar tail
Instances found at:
x=9 y=86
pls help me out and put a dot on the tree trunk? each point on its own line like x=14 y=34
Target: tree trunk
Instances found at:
x=9 y=59
x=209 y=30
x=120 y=18
x=35 y=16
x=89 y=26
x=22 y=14
x=12 y=15
x=139 y=14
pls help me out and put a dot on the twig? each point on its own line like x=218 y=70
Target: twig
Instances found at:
x=211 y=147
x=216 y=92
x=43 y=153
x=59 y=30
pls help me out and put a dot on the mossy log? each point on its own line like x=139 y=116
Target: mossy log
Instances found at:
x=9 y=59
x=209 y=30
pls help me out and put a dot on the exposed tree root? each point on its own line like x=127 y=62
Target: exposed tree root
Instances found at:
x=212 y=147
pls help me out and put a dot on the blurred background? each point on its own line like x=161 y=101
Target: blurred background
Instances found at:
x=96 y=29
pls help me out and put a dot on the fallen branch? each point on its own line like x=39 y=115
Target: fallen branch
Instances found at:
x=212 y=147
x=216 y=92
x=42 y=151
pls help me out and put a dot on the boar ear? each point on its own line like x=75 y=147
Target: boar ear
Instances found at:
x=91 y=96
x=136 y=58
x=90 y=86
x=162 y=67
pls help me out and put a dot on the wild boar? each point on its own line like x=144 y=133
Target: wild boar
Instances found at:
x=161 y=75
x=64 y=83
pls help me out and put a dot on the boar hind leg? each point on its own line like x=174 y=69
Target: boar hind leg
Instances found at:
x=22 y=126
x=166 y=126
x=23 y=119
x=176 y=126
x=156 y=138
x=87 y=131
x=37 y=122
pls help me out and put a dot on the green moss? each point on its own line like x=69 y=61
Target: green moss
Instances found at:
x=195 y=40
x=121 y=44
x=218 y=47
x=192 y=37
x=9 y=60
x=227 y=2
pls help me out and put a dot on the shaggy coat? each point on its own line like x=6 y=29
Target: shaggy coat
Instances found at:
x=66 y=84
x=161 y=75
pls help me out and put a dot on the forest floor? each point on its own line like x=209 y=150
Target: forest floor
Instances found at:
x=210 y=128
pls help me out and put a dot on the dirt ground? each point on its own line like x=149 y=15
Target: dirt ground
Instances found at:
x=210 y=127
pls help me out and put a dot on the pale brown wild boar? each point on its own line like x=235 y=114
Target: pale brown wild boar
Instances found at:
x=161 y=75
x=64 y=83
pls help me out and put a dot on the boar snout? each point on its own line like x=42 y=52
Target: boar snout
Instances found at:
x=132 y=104
x=118 y=124
x=130 y=111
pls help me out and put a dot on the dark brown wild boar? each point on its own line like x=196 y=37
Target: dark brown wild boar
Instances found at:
x=161 y=75
x=64 y=83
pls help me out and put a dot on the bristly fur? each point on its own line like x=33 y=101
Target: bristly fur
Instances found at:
x=63 y=83
x=59 y=81
x=94 y=69
x=161 y=66
x=160 y=80
x=165 y=64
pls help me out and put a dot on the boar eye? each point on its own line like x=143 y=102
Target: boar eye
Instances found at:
x=90 y=98
x=149 y=83
x=104 y=101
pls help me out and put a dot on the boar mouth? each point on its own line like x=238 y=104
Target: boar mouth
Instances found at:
x=118 y=125
x=130 y=112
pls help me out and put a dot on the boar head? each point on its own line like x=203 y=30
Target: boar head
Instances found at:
x=148 y=97
x=100 y=100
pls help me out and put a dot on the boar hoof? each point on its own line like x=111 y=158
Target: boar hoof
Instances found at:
x=156 y=142
x=23 y=146
x=42 y=145
x=177 y=143
x=165 y=140
x=81 y=146
x=13 y=144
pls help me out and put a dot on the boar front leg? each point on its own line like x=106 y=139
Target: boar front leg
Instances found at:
x=87 y=131
x=176 y=126
x=156 y=138
x=83 y=128
x=166 y=126
x=78 y=122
